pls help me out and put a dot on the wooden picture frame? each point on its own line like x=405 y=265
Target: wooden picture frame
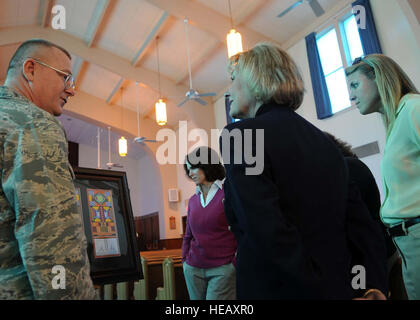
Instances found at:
x=104 y=204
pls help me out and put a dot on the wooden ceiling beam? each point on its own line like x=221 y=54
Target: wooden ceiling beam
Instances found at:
x=100 y=57
x=115 y=90
x=160 y=23
x=44 y=13
x=96 y=22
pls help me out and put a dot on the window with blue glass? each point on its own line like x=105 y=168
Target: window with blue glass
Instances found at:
x=338 y=46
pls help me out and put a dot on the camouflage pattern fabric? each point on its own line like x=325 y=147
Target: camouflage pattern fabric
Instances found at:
x=40 y=226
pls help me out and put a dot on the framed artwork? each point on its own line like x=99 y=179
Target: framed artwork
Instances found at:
x=103 y=201
x=172 y=223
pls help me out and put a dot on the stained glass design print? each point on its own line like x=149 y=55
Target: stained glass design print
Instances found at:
x=103 y=223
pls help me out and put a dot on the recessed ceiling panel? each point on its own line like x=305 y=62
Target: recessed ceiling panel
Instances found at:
x=173 y=50
x=18 y=12
x=146 y=97
x=78 y=15
x=128 y=27
x=222 y=6
x=266 y=22
x=213 y=75
x=98 y=81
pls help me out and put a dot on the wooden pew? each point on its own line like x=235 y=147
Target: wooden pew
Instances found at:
x=141 y=287
x=155 y=268
x=145 y=289
x=168 y=291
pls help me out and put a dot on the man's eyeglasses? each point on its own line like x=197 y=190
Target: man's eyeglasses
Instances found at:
x=68 y=80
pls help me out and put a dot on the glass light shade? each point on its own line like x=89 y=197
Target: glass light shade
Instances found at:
x=161 y=118
x=234 y=42
x=122 y=143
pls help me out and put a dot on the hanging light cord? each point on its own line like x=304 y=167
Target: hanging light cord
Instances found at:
x=230 y=12
x=137 y=107
x=157 y=54
x=188 y=50
x=122 y=108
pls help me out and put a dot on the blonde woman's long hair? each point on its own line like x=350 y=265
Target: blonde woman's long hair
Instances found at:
x=392 y=82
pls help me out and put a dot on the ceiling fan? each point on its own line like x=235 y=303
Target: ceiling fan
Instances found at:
x=193 y=94
x=111 y=165
x=139 y=139
x=316 y=7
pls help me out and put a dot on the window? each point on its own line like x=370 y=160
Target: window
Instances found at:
x=338 y=46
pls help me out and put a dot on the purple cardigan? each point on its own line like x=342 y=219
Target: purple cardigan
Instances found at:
x=208 y=242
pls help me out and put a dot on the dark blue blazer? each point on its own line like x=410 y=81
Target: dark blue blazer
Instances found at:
x=366 y=233
x=290 y=220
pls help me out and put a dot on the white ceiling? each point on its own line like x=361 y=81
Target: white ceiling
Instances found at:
x=128 y=28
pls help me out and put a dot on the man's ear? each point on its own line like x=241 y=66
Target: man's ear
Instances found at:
x=28 y=69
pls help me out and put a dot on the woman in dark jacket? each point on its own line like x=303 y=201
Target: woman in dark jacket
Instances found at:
x=287 y=208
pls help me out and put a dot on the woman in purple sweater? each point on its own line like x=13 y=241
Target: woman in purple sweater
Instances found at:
x=209 y=247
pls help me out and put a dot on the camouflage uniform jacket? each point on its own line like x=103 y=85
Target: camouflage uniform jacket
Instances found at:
x=40 y=226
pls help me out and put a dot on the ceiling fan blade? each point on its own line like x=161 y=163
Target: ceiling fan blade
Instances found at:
x=201 y=101
x=290 y=8
x=139 y=139
x=209 y=94
x=185 y=100
x=316 y=7
x=150 y=140
x=114 y=165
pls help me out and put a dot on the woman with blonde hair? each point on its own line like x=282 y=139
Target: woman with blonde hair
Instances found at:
x=378 y=84
x=289 y=219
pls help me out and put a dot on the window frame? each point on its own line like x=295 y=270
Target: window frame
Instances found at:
x=338 y=25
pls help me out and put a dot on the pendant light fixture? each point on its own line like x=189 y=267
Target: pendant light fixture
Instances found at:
x=234 y=38
x=122 y=143
x=160 y=106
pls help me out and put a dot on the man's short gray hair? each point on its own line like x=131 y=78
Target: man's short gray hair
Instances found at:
x=25 y=50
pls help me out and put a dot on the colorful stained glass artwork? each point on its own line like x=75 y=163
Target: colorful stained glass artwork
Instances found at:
x=103 y=223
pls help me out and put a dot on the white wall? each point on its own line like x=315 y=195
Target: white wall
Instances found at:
x=348 y=125
x=399 y=42
x=142 y=177
x=187 y=186
x=150 y=186
x=396 y=37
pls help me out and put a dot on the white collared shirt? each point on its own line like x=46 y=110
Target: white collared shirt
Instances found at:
x=218 y=184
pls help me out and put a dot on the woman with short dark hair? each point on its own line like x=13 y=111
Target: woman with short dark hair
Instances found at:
x=209 y=247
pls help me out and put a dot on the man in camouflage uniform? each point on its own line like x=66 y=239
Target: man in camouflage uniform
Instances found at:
x=40 y=226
